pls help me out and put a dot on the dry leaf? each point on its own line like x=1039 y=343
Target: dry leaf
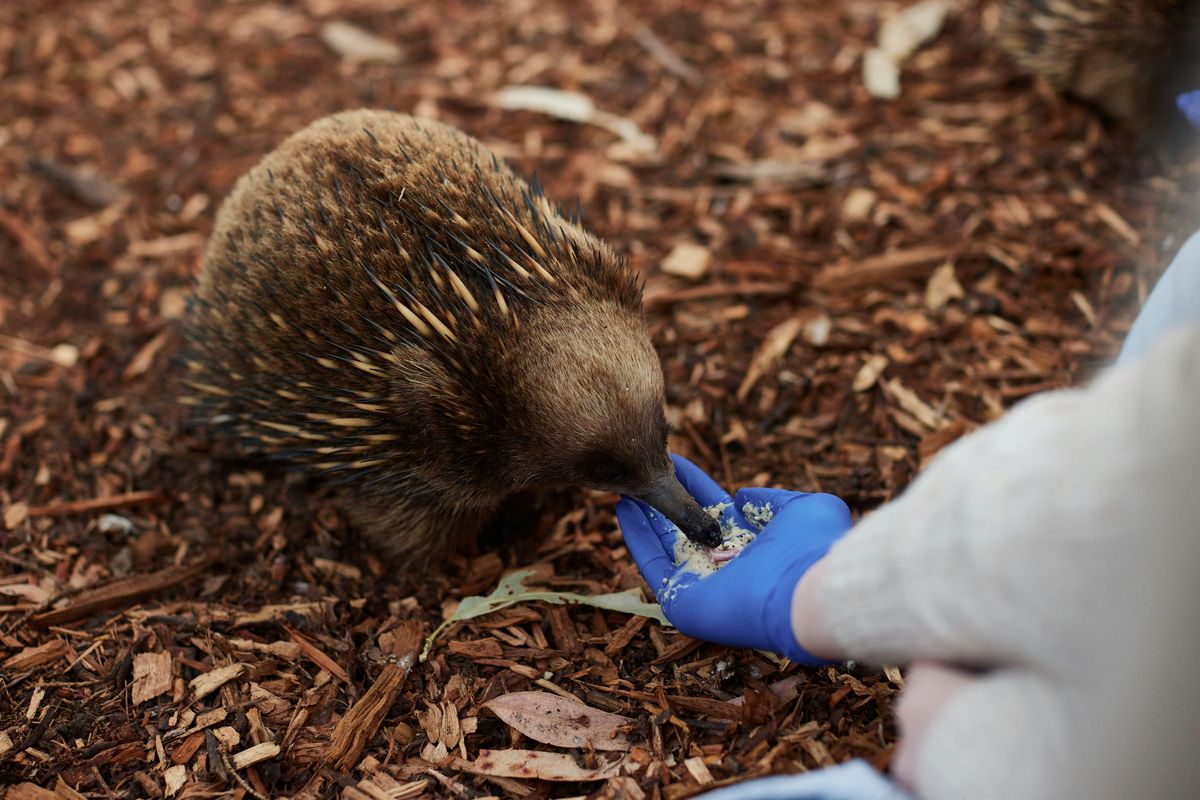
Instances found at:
x=687 y=260
x=355 y=44
x=775 y=344
x=574 y=107
x=551 y=719
x=943 y=287
x=144 y=358
x=910 y=402
x=539 y=765
x=869 y=372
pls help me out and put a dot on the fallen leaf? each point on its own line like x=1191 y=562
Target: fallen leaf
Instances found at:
x=551 y=719
x=573 y=107
x=774 y=345
x=869 y=372
x=910 y=402
x=144 y=358
x=943 y=287
x=511 y=590
x=539 y=765
x=687 y=260
x=355 y=44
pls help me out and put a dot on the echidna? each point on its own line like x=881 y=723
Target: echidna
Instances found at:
x=1130 y=58
x=385 y=304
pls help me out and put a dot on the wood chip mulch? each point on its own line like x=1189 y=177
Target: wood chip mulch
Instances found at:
x=839 y=287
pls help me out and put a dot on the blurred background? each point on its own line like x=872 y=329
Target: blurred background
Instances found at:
x=865 y=230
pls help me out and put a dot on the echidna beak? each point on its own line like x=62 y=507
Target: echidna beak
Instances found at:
x=673 y=501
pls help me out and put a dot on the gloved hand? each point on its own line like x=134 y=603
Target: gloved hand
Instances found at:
x=748 y=601
x=1189 y=104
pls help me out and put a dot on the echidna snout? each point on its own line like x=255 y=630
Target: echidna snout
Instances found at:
x=587 y=409
x=386 y=305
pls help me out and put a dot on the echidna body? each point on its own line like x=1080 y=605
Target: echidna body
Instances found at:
x=1128 y=57
x=386 y=304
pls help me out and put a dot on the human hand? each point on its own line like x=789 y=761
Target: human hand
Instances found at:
x=748 y=601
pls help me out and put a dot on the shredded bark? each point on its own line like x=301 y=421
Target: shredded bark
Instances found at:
x=839 y=286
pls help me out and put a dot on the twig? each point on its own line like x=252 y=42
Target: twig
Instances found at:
x=891 y=266
x=119 y=594
x=710 y=291
x=68 y=507
x=361 y=722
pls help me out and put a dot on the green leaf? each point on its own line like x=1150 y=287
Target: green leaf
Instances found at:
x=511 y=590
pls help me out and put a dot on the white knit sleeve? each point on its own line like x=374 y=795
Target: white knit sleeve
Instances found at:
x=1012 y=544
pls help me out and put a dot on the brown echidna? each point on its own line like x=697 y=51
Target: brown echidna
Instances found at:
x=386 y=304
x=1130 y=58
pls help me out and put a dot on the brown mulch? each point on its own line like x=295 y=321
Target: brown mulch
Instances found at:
x=877 y=279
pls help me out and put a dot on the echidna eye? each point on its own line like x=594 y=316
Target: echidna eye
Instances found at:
x=605 y=469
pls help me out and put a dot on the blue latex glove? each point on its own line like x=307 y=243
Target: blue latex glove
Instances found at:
x=748 y=601
x=1189 y=104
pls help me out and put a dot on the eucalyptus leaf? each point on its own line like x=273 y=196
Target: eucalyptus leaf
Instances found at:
x=511 y=591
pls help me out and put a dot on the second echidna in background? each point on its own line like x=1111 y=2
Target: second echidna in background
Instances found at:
x=1130 y=58
x=385 y=304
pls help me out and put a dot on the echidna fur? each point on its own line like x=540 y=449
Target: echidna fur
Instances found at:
x=387 y=305
x=1128 y=57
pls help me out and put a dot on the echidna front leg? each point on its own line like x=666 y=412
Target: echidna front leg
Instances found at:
x=411 y=528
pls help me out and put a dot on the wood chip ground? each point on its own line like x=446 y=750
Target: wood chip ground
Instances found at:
x=839 y=287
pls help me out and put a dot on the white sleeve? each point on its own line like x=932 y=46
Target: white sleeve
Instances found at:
x=1017 y=539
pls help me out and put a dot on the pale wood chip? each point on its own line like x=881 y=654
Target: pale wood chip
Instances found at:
x=774 y=346
x=698 y=770
x=33 y=657
x=687 y=260
x=289 y=651
x=209 y=682
x=254 y=755
x=151 y=676
x=175 y=778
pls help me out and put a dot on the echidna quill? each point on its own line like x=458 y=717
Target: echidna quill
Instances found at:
x=1128 y=57
x=386 y=304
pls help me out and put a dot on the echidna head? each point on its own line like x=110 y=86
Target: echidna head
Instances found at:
x=588 y=409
